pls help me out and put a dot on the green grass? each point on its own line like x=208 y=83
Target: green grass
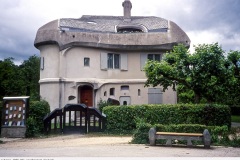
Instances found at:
x=236 y=118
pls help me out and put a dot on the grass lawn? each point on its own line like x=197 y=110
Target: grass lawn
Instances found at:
x=236 y=118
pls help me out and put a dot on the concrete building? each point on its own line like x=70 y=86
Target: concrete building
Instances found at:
x=99 y=57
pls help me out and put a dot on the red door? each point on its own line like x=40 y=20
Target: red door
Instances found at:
x=86 y=95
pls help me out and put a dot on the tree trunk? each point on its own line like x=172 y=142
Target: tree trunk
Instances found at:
x=197 y=97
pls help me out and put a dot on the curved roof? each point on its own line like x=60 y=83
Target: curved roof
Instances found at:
x=102 y=32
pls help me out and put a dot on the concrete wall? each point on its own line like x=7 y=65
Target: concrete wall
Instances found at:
x=64 y=72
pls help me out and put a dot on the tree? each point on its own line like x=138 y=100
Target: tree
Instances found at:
x=10 y=79
x=206 y=72
x=233 y=96
x=30 y=75
x=20 y=80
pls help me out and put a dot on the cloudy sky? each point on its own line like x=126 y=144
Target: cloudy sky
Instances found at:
x=204 y=21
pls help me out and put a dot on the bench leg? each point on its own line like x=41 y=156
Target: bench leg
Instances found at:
x=206 y=139
x=169 y=142
x=189 y=143
x=152 y=136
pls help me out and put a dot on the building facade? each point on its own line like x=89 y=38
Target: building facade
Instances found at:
x=99 y=57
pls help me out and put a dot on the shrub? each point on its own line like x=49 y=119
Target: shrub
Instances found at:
x=102 y=104
x=218 y=133
x=124 y=118
x=1 y=105
x=37 y=111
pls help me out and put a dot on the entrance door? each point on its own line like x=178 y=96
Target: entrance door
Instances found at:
x=86 y=95
x=126 y=100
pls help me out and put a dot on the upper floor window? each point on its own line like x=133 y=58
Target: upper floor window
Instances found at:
x=86 y=62
x=113 y=61
x=144 y=57
x=154 y=57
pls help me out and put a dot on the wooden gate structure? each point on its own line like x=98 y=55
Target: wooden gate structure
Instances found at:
x=74 y=118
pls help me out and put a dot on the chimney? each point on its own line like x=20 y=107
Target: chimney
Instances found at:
x=127 y=6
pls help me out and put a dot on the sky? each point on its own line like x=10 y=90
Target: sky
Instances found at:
x=204 y=21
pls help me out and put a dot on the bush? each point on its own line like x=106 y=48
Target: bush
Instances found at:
x=219 y=134
x=102 y=104
x=124 y=118
x=1 y=105
x=37 y=111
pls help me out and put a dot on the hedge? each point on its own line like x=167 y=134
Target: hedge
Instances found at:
x=37 y=111
x=123 y=119
x=219 y=134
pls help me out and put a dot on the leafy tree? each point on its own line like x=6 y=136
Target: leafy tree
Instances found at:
x=233 y=88
x=10 y=79
x=30 y=75
x=206 y=73
x=20 y=80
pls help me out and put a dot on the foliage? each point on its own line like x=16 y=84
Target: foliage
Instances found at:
x=236 y=118
x=124 y=118
x=31 y=75
x=206 y=74
x=102 y=104
x=1 y=105
x=20 y=80
x=37 y=111
x=219 y=134
x=11 y=83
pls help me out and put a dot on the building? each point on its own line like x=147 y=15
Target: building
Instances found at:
x=99 y=57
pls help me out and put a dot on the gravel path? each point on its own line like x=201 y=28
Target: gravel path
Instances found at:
x=102 y=146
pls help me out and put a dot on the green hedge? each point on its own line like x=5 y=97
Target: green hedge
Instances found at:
x=123 y=119
x=37 y=111
x=219 y=134
x=1 y=105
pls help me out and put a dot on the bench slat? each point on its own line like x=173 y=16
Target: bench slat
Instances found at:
x=179 y=134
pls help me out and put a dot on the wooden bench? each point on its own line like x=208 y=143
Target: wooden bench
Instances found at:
x=169 y=136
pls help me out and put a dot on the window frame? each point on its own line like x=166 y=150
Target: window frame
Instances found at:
x=153 y=57
x=112 y=91
x=88 y=62
x=113 y=61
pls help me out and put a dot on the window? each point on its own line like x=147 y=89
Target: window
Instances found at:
x=139 y=92
x=144 y=57
x=126 y=88
x=86 y=62
x=154 y=57
x=112 y=90
x=42 y=63
x=105 y=93
x=113 y=61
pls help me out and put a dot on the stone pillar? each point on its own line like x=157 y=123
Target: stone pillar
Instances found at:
x=127 y=6
x=152 y=136
x=206 y=139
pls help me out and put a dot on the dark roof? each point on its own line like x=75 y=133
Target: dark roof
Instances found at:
x=109 y=23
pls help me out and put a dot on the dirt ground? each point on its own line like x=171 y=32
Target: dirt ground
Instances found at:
x=64 y=140
x=102 y=146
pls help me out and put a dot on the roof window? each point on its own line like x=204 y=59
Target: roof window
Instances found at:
x=131 y=29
